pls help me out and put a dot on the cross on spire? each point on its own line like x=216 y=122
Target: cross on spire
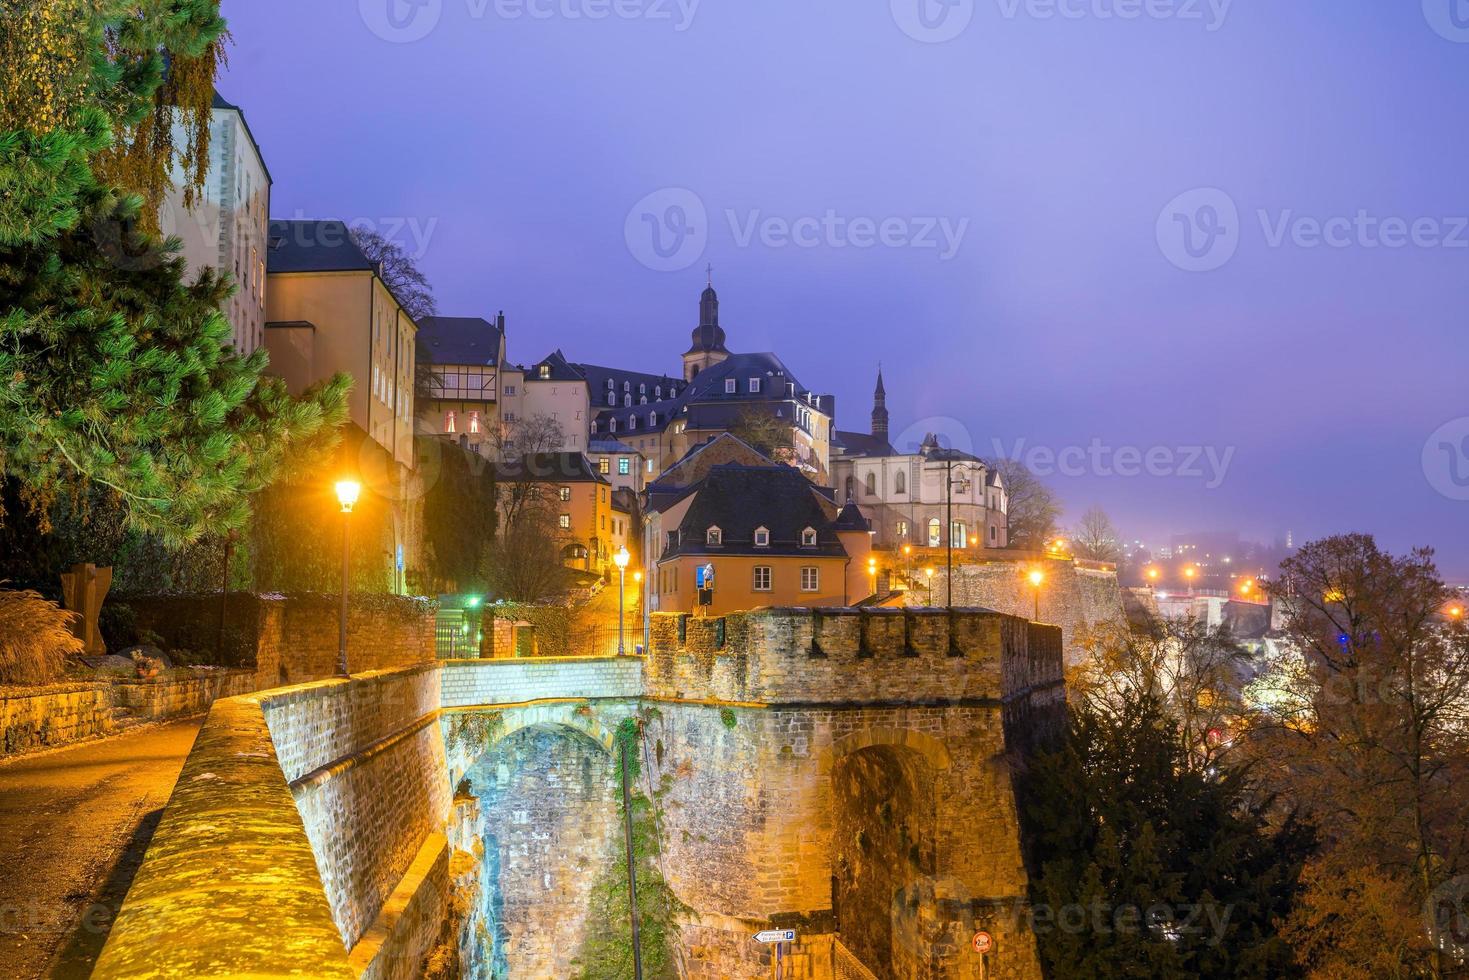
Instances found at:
x=709 y=272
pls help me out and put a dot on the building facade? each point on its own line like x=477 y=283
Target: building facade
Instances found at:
x=579 y=499
x=465 y=355
x=910 y=497
x=227 y=228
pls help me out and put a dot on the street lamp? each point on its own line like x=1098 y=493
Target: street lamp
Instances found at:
x=1189 y=574
x=620 y=560
x=1037 y=579
x=928 y=573
x=872 y=570
x=347 y=493
x=1153 y=575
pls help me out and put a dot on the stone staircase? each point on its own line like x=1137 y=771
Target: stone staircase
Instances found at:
x=846 y=966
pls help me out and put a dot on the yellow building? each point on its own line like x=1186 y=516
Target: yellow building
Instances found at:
x=751 y=536
x=579 y=499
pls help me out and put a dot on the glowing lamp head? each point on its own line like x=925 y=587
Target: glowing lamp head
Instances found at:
x=637 y=577
x=907 y=549
x=929 y=573
x=347 y=493
x=1456 y=612
x=621 y=558
x=1153 y=574
x=1037 y=577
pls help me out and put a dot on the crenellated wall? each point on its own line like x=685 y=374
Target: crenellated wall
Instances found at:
x=806 y=765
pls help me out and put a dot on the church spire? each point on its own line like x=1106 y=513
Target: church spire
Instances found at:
x=880 y=408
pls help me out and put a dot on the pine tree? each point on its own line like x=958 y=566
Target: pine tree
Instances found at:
x=1144 y=868
x=114 y=372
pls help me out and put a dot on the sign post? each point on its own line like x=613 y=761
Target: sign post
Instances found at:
x=984 y=944
x=779 y=937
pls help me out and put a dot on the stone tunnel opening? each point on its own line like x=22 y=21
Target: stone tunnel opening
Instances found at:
x=882 y=844
x=550 y=825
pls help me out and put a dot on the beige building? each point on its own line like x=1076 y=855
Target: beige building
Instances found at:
x=328 y=311
x=569 y=487
x=227 y=228
x=466 y=355
x=744 y=537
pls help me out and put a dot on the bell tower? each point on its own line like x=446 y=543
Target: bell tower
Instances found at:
x=708 y=337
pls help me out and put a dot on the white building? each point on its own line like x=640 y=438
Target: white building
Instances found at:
x=228 y=227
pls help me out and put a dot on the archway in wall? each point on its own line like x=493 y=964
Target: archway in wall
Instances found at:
x=883 y=843
x=548 y=799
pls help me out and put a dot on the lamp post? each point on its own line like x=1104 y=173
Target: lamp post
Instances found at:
x=1037 y=579
x=637 y=581
x=928 y=573
x=949 y=531
x=872 y=571
x=347 y=493
x=620 y=560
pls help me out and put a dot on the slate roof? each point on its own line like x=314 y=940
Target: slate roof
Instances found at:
x=549 y=468
x=220 y=102
x=739 y=499
x=610 y=446
x=468 y=340
x=313 y=245
x=561 y=369
x=862 y=444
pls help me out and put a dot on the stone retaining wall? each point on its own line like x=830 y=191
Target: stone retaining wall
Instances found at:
x=157 y=698
x=41 y=717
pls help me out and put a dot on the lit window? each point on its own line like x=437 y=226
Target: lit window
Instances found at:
x=474 y=422
x=624 y=466
x=761 y=581
x=808 y=538
x=957 y=536
x=565 y=493
x=714 y=536
x=754 y=386
x=810 y=578
x=545 y=371
x=448 y=421
x=730 y=386
x=604 y=466
x=565 y=521
x=902 y=529
x=762 y=537
x=934 y=533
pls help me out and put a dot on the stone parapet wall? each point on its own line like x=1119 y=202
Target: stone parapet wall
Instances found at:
x=157 y=698
x=42 y=717
x=485 y=682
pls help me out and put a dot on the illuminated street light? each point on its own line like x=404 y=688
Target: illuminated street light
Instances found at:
x=348 y=491
x=928 y=574
x=1153 y=574
x=1037 y=579
x=620 y=560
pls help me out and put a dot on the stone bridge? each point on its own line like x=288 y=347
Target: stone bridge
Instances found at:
x=844 y=773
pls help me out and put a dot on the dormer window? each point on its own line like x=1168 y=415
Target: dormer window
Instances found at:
x=545 y=371
x=731 y=386
x=612 y=398
x=762 y=537
x=627 y=386
x=642 y=389
x=657 y=393
x=652 y=419
x=808 y=538
x=642 y=399
x=611 y=383
x=754 y=386
x=714 y=536
x=632 y=422
x=611 y=425
x=627 y=401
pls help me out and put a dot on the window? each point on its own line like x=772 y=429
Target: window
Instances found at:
x=624 y=466
x=900 y=482
x=627 y=386
x=509 y=391
x=565 y=493
x=545 y=371
x=934 y=536
x=611 y=425
x=810 y=578
x=448 y=421
x=627 y=401
x=872 y=484
x=564 y=521
x=632 y=422
x=604 y=465
x=851 y=487
x=902 y=529
x=611 y=383
x=761 y=581
x=714 y=536
x=642 y=389
x=808 y=538
x=612 y=398
x=754 y=386
x=957 y=536
x=474 y=422
x=730 y=386
x=657 y=393
x=652 y=420
x=762 y=537
x=994 y=532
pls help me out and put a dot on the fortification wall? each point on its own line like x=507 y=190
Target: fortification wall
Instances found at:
x=1073 y=595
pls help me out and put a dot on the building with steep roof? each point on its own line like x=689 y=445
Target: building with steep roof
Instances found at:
x=904 y=492
x=466 y=354
x=744 y=537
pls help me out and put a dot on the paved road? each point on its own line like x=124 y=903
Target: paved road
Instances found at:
x=73 y=828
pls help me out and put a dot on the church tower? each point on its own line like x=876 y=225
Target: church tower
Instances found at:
x=880 y=409
x=708 y=346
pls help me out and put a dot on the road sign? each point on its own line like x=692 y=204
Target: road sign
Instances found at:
x=776 y=936
x=984 y=943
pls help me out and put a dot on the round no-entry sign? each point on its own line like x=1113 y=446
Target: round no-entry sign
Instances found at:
x=984 y=943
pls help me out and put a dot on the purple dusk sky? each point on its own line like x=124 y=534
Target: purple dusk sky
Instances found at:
x=1154 y=224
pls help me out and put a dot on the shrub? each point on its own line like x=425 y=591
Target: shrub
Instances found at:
x=34 y=638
